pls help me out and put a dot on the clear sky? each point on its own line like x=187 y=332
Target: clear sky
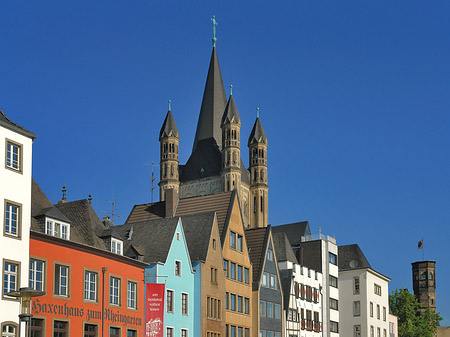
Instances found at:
x=354 y=98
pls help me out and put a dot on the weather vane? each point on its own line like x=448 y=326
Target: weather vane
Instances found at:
x=214 y=29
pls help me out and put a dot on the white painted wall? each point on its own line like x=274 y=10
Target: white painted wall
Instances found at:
x=16 y=187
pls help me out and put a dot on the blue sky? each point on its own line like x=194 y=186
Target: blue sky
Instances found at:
x=354 y=98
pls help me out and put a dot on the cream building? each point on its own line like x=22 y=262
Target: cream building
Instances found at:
x=15 y=214
x=364 y=292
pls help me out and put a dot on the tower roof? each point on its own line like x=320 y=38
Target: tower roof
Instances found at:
x=169 y=127
x=231 y=112
x=213 y=104
x=257 y=135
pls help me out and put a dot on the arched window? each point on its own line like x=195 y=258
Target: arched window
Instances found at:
x=424 y=276
x=165 y=148
x=262 y=203
x=9 y=329
x=165 y=170
x=254 y=205
x=431 y=275
x=171 y=170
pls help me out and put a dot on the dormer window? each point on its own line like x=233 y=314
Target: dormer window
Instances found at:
x=116 y=246
x=57 y=228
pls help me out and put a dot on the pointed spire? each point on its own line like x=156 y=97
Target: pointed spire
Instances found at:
x=231 y=112
x=213 y=104
x=169 y=127
x=257 y=135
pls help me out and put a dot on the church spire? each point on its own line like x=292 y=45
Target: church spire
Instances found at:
x=213 y=104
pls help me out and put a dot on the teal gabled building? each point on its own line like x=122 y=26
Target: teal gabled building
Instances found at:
x=162 y=244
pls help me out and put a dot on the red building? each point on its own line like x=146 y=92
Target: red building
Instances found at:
x=91 y=288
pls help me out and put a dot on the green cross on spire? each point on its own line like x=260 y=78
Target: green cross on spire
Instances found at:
x=231 y=89
x=170 y=101
x=257 y=112
x=214 y=39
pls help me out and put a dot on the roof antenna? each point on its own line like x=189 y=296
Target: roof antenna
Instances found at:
x=214 y=39
x=153 y=173
x=257 y=112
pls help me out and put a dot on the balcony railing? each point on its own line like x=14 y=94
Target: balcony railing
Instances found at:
x=319 y=236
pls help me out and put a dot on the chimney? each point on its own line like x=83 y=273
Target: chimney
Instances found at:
x=170 y=203
x=107 y=221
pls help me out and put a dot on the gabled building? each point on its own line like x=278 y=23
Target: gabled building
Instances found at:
x=267 y=293
x=162 y=244
x=90 y=290
x=364 y=293
x=16 y=147
x=302 y=289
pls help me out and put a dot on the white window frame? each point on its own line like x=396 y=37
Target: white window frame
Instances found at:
x=61 y=289
x=177 y=268
x=185 y=304
x=131 y=295
x=13 y=218
x=13 y=159
x=10 y=277
x=114 y=286
x=90 y=279
x=356 y=308
x=57 y=229
x=33 y=281
x=116 y=246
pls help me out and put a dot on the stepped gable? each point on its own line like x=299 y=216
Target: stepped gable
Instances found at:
x=85 y=225
x=9 y=124
x=153 y=241
x=283 y=248
x=351 y=257
x=294 y=231
x=197 y=231
x=219 y=203
x=256 y=239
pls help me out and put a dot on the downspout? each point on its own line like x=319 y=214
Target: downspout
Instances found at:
x=104 y=269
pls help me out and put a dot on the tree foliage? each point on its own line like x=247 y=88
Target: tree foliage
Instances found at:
x=411 y=323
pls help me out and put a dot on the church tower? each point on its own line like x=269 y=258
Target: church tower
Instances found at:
x=257 y=145
x=231 y=149
x=168 y=138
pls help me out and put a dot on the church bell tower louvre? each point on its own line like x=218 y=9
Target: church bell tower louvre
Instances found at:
x=215 y=164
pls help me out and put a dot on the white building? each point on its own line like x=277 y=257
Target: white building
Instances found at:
x=15 y=208
x=364 y=295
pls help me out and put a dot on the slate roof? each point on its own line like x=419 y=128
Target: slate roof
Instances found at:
x=283 y=248
x=294 y=231
x=9 y=124
x=38 y=198
x=351 y=257
x=205 y=161
x=197 y=230
x=286 y=281
x=213 y=104
x=219 y=203
x=52 y=212
x=257 y=134
x=257 y=240
x=153 y=238
x=169 y=127
x=231 y=112
x=85 y=227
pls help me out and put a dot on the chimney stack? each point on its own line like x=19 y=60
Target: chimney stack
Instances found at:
x=170 y=203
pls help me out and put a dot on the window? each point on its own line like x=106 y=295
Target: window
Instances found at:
x=239 y=274
x=377 y=289
x=262 y=333
x=232 y=302
x=169 y=304
x=114 y=291
x=90 y=285
x=227 y=298
x=332 y=258
x=131 y=295
x=116 y=246
x=131 y=333
x=37 y=327
x=36 y=280
x=12 y=219
x=262 y=308
x=169 y=332
x=270 y=255
x=233 y=270
x=246 y=275
x=273 y=282
x=333 y=304
x=356 y=308
x=61 y=280
x=184 y=333
x=269 y=309
x=378 y=332
x=232 y=331
x=384 y=333
x=240 y=332
x=371 y=331
x=9 y=330
x=265 y=280
x=239 y=243
x=277 y=311
x=184 y=304
x=378 y=311
x=333 y=281
x=334 y=327
x=247 y=332
x=13 y=156
x=247 y=305
x=431 y=276
x=57 y=229
x=371 y=309
x=356 y=285
x=90 y=330
x=214 y=244
x=225 y=267
x=239 y=304
x=233 y=240
x=61 y=329
x=423 y=276
x=357 y=331
x=178 y=236
x=177 y=268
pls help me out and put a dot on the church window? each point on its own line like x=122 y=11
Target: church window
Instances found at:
x=262 y=203
x=228 y=134
x=255 y=154
x=165 y=148
x=431 y=276
x=171 y=170
x=234 y=157
x=254 y=204
x=262 y=175
x=165 y=170
x=424 y=275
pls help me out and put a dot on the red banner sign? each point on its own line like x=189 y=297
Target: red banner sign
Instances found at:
x=154 y=310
